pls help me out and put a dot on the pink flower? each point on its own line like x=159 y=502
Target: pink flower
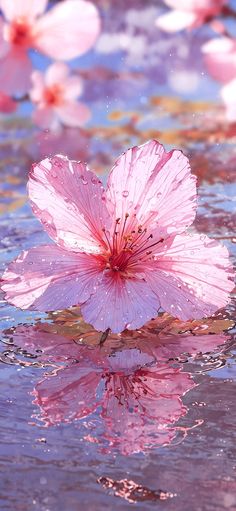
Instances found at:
x=67 y=31
x=54 y=95
x=7 y=104
x=136 y=394
x=188 y=13
x=220 y=58
x=121 y=253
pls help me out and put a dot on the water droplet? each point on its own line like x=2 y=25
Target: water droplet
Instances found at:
x=84 y=181
x=125 y=193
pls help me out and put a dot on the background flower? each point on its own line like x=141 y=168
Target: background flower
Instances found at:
x=70 y=28
x=54 y=95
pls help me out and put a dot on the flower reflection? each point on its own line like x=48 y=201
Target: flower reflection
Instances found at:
x=134 y=387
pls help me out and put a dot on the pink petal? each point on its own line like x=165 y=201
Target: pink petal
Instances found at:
x=46 y=118
x=69 y=395
x=4 y=45
x=22 y=8
x=191 y=278
x=155 y=186
x=57 y=73
x=196 y=5
x=38 y=86
x=15 y=72
x=68 y=200
x=120 y=303
x=71 y=27
x=73 y=87
x=176 y=20
x=49 y=278
x=220 y=58
x=73 y=114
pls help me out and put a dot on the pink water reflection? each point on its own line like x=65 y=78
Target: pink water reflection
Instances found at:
x=136 y=390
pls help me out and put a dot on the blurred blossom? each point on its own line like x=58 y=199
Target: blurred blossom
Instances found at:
x=228 y=94
x=121 y=253
x=70 y=29
x=54 y=95
x=220 y=58
x=184 y=81
x=7 y=104
x=188 y=13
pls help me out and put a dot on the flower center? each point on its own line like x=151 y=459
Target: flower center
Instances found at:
x=128 y=245
x=53 y=95
x=19 y=33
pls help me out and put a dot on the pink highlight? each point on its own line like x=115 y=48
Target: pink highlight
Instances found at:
x=121 y=253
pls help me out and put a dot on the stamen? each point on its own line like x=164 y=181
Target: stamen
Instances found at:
x=123 y=229
x=104 y=230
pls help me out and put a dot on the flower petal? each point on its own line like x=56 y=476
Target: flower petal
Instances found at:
x=15 y=72
x=191 y=277
x=46 y=118
x=176 y=20
x=154 y=185
x=49 y=278
x=69 y=200
x=120 y=303
x=196 y=5
x=13 y=9
x=56 y=73
x=73 y=114
x=71 y=26
x=36 y=92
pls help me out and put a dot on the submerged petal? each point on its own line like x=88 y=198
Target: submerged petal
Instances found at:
x=49 y=278
x=155 y=186
x=69 y=200
x=120 y=303
x=191 y=277
x=71 y=26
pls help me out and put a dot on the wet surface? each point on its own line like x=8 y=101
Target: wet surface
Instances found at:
x=147 y=419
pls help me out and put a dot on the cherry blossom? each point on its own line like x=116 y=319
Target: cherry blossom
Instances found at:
x=122 y=254
x=188 y=13
x=220 y=58
x=67 y=30
x=54 y=95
